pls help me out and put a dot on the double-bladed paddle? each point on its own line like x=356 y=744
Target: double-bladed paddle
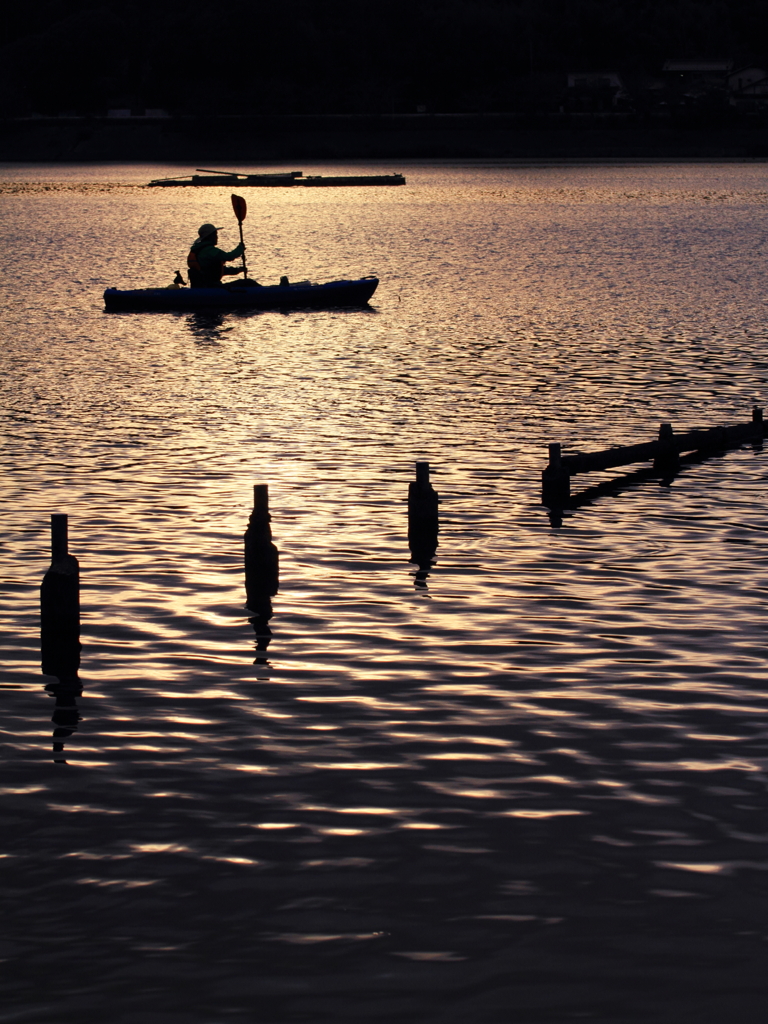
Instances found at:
x=240 y=207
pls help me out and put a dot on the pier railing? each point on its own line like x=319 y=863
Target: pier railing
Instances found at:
x=664 y=453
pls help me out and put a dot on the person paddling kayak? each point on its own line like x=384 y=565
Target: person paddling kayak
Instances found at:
x=206 y=261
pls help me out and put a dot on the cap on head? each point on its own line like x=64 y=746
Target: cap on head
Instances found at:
x=207 y=229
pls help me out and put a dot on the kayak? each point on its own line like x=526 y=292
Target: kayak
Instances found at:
x=279 y=296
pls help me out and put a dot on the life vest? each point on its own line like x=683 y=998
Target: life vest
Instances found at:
x=199 y=278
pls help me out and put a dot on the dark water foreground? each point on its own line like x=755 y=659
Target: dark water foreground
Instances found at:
x=133 y=900
x=525 y=783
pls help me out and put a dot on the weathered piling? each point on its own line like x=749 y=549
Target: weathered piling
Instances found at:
x=60 y=607
x=555 y=480
x=262 y=572
x=422 y=501
x=261 y=557
x=423 y=521
x=667 y=459
x=664 y=453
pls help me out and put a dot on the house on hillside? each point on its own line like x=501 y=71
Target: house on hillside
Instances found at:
x=742 y=78
x=748 y=88
x=595 y=91
x=697 y=82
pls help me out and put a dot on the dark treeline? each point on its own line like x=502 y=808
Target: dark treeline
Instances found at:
x=345 y=56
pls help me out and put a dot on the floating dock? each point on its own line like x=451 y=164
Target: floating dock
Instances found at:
x=282 y=179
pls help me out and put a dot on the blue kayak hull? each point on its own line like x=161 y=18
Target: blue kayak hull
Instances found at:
x=292 y=296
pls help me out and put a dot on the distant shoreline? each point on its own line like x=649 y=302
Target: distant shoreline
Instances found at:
x=507 y=137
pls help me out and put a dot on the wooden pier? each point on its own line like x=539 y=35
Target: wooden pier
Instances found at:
x=664 y=453
x=277 y=179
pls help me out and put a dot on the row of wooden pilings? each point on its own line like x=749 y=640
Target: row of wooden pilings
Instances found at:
x=60 y=590
x=261 y=556
x=60 y=601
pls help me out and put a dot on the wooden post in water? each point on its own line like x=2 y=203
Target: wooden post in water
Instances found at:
x=60 y=607
x=261 y=569
x=261 y=558
x=667 y=460
x=422 y=502
x=423 y=521
x=555 y=480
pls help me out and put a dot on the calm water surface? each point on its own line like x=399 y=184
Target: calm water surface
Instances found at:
x=526 y=783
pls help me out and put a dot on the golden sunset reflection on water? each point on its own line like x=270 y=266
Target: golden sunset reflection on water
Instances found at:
x=258 y=794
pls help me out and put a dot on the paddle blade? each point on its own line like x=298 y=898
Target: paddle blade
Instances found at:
x=240 y=208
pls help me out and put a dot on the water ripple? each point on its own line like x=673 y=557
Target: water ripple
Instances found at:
x=538 y=754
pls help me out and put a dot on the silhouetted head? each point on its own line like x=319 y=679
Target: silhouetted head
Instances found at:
x=208 y=233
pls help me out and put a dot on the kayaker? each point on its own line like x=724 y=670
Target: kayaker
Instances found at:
x=206 y=261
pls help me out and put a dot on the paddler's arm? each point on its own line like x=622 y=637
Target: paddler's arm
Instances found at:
x=226 y=256
x=212 y=254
